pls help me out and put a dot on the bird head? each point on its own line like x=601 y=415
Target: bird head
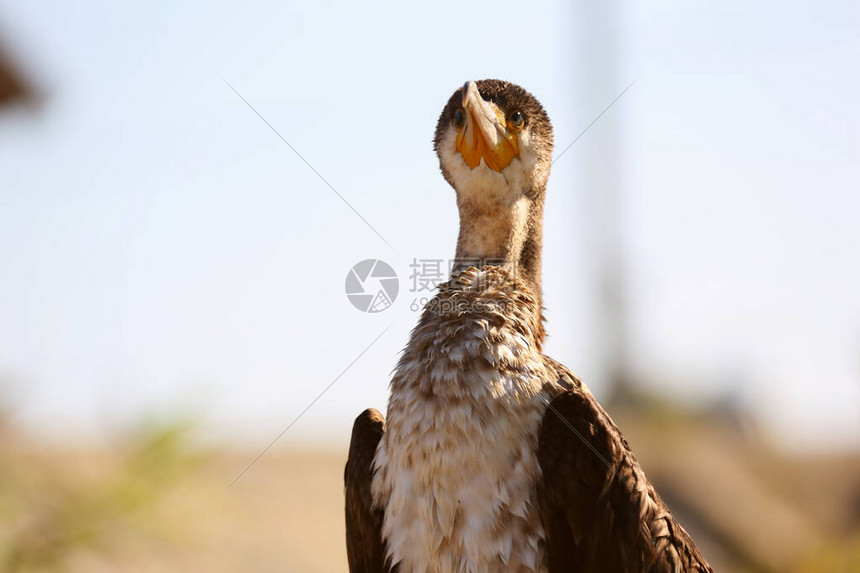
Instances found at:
x=494 y=142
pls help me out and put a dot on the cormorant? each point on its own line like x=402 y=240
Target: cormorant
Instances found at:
x=495 y=457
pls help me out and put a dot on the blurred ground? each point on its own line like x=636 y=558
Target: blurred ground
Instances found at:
x=155 y=501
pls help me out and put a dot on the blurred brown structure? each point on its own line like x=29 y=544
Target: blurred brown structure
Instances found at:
x=13 y=86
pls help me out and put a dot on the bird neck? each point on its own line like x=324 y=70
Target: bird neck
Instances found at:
x=498 y=232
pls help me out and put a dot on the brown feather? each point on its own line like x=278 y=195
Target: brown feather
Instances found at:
x=599 y=511
x=365 y=548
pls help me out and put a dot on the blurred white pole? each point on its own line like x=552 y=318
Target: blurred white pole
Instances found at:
x=600 y=83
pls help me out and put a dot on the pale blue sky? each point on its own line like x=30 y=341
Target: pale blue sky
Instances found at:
x=161 y=249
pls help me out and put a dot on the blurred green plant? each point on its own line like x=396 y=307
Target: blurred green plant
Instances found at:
x=47 y=515
x=837 y=556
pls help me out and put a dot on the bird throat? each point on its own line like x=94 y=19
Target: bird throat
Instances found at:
x=504 y=233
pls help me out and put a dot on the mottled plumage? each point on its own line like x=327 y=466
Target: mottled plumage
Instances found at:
x=495 y=457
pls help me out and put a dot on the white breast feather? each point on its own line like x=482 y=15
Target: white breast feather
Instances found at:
x=457 y=470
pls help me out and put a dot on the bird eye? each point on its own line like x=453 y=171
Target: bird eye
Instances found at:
x=459 y=118
x=516 y=120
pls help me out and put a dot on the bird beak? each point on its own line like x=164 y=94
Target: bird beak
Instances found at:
x=484 y=133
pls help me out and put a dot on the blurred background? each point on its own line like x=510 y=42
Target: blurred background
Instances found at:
x=172 y=274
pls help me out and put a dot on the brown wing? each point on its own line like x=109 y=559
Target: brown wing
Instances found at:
x=365 y=549
x=599 y=511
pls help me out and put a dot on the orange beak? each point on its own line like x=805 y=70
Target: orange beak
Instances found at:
x=484 y=133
